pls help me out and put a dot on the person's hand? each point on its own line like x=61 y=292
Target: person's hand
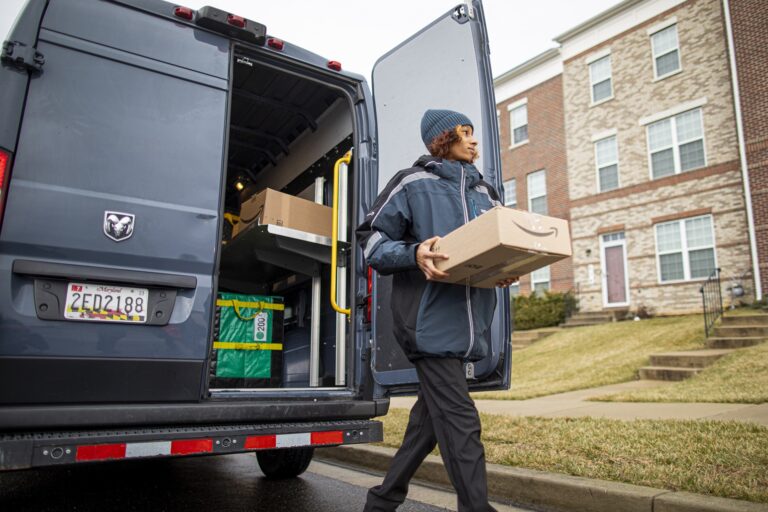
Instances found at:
x=507 y=282
x=425 y=259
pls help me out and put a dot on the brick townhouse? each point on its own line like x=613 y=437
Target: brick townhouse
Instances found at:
x=655 y=192
x=531 y=126
x=748 y=36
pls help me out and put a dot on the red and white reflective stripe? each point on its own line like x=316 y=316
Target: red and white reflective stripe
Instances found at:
x=292 y=440
x=151 y=449
x=192 y=446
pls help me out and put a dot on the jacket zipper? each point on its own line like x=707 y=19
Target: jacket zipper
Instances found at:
x=466 y=287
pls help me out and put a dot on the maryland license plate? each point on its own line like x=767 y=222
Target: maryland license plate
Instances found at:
x=106 y=303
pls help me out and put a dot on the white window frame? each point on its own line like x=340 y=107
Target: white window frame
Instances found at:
x=548 y=280
x=606 y=244
x=652 y=32
x=506 y=185
x=683 y=249
x=597 y=164
x=528 y=191
x=675 y=143
x=590 y=61
x=510 y=108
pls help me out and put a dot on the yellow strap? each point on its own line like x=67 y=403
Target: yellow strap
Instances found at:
x=231 y=345
x=233 y=219
x=253 y=305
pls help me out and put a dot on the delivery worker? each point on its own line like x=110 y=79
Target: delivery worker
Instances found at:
x=440 y=326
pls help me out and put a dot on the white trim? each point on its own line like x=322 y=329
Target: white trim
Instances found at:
x=515 y=146
x=656 y=57
x=604 y=134
x=658 y=27
x=592 y=81
x=597 y=56
x=677 y=109
x=518 y=103
x=604 y=271
x=600 y=102
x=742 y=152
x=528 y=190
x=597 y=164
x=675 y=146
x=548 y=280
x=671 y=73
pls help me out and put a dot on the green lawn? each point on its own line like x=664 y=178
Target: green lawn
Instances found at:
x=740 y=377
x=726 y=459
x=584 y=357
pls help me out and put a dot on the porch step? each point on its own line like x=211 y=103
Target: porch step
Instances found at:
x=740 y=331
x=521 y=339
x=688 y=359
x=743 y=342
x=745 y=320
x=667 y=373
x=583 y=323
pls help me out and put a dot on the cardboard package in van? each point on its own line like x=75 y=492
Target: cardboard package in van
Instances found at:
x=273 y=207
x=502 y=243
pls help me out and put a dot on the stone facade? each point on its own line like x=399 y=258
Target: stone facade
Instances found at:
x=640 y=202
x=750 y=32
x=545 y=150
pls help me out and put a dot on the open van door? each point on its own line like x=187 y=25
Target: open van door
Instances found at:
x=445 y=66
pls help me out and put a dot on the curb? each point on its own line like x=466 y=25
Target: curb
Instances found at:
x=550 y=491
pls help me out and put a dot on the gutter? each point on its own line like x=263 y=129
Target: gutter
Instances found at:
x=742 y=151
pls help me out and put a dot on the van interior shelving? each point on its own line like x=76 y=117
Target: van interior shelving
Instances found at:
x=286 y=132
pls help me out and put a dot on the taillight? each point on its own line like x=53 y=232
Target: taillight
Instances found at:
x=334 y=65
x=184 y=12
x=369 y=295
x=5 y=159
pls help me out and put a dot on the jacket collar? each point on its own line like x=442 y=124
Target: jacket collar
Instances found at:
x=450 y=169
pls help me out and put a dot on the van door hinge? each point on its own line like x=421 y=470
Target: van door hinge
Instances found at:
x=22 y=56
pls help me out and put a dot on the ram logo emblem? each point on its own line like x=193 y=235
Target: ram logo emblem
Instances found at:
x=118 y=226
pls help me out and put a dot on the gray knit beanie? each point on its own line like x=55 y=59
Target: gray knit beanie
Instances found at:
x=436 y=122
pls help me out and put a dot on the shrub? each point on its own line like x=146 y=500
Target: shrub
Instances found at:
x=547 y=310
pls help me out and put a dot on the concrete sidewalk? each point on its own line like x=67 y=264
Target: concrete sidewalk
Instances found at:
x=575 y=404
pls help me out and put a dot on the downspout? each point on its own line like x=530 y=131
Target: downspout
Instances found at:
x=742 y=151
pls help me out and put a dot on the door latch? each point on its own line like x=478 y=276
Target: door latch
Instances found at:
x=22 y=56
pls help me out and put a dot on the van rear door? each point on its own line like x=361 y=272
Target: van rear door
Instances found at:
x=445 y=65
x=113 y=201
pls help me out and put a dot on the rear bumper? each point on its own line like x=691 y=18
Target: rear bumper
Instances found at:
x=37 y=449
x=31 y=418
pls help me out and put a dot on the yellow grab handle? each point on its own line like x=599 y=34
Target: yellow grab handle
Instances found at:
x=335 y=231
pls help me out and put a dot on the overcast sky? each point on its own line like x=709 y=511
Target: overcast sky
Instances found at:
x=357 y=32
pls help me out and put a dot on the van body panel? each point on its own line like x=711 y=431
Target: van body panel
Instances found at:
x=444 y=66
x=116 y=126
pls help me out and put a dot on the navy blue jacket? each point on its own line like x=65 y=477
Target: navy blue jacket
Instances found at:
x=432 y=198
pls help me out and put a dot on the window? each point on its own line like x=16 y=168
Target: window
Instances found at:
x=666 y=54
x=607 y=160
x=540 y=280
x=518 y=122
x=537 y=192
x=600 y=79
x=676 y=144
x=514 y=289
x=685 y=249
x=510 y=193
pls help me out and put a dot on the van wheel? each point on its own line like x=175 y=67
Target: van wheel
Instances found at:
x=285 y=463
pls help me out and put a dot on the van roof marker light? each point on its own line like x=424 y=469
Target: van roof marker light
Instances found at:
x=334 y=65
x=184 y=12
x=236 y=21
x=3 y=166
x=277 y=44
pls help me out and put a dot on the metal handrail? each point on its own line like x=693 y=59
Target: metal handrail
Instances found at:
x=346 y=159
x=712 y=300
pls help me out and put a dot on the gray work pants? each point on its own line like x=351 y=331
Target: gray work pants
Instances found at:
x=445 y=415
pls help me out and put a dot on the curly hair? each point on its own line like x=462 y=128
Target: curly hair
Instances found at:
x=440 y=146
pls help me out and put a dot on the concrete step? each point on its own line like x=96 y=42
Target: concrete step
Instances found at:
x=740 y=331
x=689 y=358
x=588 y=314
x=721 y=343
x=756 y=319
x=581 y=323
x=667 y=373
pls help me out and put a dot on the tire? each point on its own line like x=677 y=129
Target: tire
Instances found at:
x=285 y=463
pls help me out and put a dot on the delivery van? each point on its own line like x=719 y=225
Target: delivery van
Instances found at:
x=136 y=137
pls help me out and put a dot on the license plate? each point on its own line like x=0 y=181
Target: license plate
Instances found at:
x=106 y=303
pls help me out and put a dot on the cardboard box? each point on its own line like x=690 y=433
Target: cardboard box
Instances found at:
x=502 y=243
x=273 y=207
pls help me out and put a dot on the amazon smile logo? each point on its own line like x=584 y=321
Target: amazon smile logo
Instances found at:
x=552 y=231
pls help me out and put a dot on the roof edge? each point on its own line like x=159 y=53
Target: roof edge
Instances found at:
x=597 y=19
x=544 y=56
